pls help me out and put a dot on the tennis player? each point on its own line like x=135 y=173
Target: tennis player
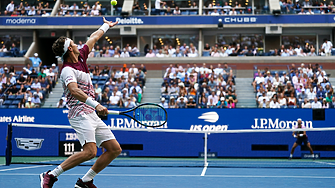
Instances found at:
x=91 y=130
x=301 y=138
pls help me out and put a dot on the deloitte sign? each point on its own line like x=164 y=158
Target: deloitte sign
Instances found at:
x=20 y=21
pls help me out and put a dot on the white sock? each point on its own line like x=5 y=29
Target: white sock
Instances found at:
x=89 y=175
x=57 y=171
x=291 y=155
x=312 y=155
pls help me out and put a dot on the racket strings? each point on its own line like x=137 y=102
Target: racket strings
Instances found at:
x=150 y=115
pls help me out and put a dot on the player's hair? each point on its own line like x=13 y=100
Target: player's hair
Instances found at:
x=58 y=47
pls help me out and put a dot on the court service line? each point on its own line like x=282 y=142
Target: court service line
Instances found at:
x=324 y=163
x=20 y=168
x=170 y=175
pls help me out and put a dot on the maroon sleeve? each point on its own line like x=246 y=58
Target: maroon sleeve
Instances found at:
x=84 y=52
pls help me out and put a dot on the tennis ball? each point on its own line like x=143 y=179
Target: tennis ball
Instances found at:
x=113 y=2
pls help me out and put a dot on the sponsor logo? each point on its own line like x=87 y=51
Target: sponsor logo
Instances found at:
x=211 y=117
x=268 y=123
x=29 y=143
x=240 y=19
x=18 y=21
x=128 y=21
x=21 y=119
x=71 y=136
x=126 y=123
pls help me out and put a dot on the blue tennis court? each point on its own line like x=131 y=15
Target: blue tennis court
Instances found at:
x=319 y=173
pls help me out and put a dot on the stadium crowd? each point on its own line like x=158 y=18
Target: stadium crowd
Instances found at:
x=28 y=87
x=306 y=7
x=119 y=88
x=198 y=87
x=302 y=87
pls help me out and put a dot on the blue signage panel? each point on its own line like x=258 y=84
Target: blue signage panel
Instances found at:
x=171 y=20
x=54 y=142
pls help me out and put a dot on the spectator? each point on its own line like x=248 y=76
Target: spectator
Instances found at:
x=129 y=103
x=30 y=104
x=94 y=11
x=61 y=103
x=327 y=47
x=222 y=103
x=158 y=6
x=292 y=101
x=3 y=49
x=332 y=103
x=22 y=103
x=74 y=7
x=230 y=103
x=172 y=102
x=44 y=13
x=191 y=103
x=274 y=103
x=325 y=104
x=10 y=7
x=36 y=100
x=150 y=54
x=316 y=104
x=36 y=61
x=114 y=99
x=32 y=11
x=181 y=103
x=36 y=84
x=14 y=50
x=96 y=5
x=163 y=103
x=232 y=12
x=176 y=11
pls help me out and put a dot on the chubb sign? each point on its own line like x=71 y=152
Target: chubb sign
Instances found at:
x=20 y=21
x=268 y=123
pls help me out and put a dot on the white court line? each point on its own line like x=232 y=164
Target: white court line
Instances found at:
x=204 y=170
x=20 y=168
x=324 y=163
x=170 y=175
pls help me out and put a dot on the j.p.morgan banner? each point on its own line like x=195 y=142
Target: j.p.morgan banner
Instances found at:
x=171 y=20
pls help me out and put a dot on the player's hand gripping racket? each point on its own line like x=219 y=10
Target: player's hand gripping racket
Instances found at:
x=146 y=114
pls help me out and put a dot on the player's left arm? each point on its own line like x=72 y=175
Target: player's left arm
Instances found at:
x=95 y=36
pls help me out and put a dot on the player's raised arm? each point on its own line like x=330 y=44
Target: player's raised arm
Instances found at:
x=95 y=36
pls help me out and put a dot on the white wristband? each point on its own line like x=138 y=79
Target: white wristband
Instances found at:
x=104 y=27
x=91 y=102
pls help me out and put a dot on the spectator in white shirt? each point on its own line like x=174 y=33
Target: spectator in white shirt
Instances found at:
x=163 y=103
x=32 y=11
x=215 y=13
x=45 y=13
x=310 y=11
x=10 y=7
x=316 y=103
x=306 y=104
x=80 y=45
x=96 y=5
x=327 y=47
x=232 y=12
x=136 y=87
x=160 y=54
x=259 y=79
x=213 y=98
x=36 y=84
x=274 y=103
x=282 y=100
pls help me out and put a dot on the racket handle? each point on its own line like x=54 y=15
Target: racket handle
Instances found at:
x=295 y=136
x=113 y=112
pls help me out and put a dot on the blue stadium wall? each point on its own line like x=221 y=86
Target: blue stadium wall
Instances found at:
x=178 y=144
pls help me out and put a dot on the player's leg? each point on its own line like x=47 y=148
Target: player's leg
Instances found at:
x=86 y=135
x=106 y=139
x=309 y=147
x=112 y=150
x=293 y=148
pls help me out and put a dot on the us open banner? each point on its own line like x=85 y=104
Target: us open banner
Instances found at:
x=54 y=142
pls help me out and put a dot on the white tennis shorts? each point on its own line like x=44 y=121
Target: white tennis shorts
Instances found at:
x=90 y=128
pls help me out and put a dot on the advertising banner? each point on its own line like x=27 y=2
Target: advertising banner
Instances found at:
x=64 y=142
x=168 y=20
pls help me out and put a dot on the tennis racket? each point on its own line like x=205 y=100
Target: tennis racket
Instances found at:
x=146 y=114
